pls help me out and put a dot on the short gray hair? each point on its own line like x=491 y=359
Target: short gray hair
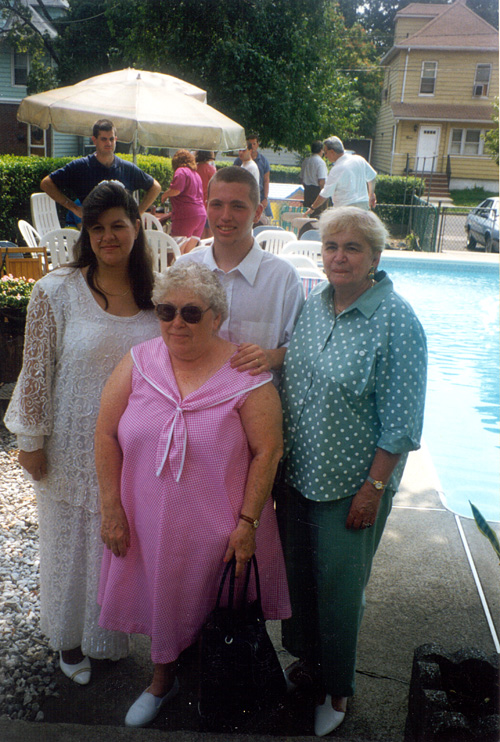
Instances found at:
x=334 y=143
x=198 y=279
x=350 y=217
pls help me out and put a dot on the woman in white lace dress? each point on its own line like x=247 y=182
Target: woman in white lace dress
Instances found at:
x=81 y=320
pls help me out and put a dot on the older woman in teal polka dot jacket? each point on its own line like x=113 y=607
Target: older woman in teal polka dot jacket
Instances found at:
x=353 y=399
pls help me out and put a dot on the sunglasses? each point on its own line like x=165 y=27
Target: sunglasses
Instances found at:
x=190 y=313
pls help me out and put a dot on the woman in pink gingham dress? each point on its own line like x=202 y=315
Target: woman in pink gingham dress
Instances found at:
x=200 y=443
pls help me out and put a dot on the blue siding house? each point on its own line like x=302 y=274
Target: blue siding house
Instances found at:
x=17 y=138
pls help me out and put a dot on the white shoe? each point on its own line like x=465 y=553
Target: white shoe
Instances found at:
x=80 y=673
x=147 y=707
x=326 y=718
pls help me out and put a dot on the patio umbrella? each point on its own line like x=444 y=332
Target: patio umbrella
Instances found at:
x=147 y=108
x=148 y=79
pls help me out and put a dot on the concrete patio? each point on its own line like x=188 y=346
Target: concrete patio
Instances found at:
x=422 y=590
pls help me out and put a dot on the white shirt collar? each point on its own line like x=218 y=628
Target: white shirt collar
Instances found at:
x=248 y=267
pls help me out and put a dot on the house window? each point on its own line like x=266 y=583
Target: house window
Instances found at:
x=428 y=78
x=20 y=68
x=466 y=142
x=482 y=81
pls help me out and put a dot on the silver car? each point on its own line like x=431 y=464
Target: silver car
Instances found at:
x=481 y=225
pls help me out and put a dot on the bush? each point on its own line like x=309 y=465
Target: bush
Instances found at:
x=284 y=174
x=391 y=189
x=394 y=198
x=21 y=176
x=396 y=189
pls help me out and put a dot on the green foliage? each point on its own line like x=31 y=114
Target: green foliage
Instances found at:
x=24 y=35
x=394 y=197
x=42 y=76
x=486 y=529
x=85 y=45
x=283 y=174
x=21 y=176
x=158 y=167
x=15 y=293
x=470 y=196
x=288 y=69
x=396 y=189
x=491 y=136
x=351 y=76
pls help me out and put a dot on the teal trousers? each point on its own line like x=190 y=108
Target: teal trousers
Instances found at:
x=328 y=567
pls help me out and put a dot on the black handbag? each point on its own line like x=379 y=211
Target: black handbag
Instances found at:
x=239 y=670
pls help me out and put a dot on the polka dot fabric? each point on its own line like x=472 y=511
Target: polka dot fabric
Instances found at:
x=185 y=464
x=352 y=383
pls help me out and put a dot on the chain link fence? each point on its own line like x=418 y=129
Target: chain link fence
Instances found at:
x=421 y=225
x=413 y=226
x=426 y=226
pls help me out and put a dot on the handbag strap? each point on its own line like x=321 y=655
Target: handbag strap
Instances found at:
x=231 y=567
x=253 y=561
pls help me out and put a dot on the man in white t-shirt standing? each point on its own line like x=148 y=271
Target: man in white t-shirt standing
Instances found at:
x=245 y=156
x=351 y=180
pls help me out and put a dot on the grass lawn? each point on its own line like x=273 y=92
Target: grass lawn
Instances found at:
x=470 y=196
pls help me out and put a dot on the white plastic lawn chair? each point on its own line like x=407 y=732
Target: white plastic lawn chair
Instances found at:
x=262 y=228
x=311 y=248
x=44 y=213
x=161 y=244
x=150 y=221
x=59 y=244
x=28 y=233
x=299 y=261
x=311 y=234
x=274 y=240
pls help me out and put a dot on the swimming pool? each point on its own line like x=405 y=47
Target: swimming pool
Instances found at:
x=457 y=303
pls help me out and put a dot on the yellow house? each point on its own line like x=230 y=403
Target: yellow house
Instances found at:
x=441 y=77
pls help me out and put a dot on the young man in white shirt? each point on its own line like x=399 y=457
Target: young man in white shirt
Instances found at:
x=264 y=292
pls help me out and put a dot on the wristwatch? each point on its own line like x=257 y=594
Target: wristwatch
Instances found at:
x=253 y=521
x=376 y=483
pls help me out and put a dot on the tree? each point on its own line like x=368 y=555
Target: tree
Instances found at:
x=287 y=69
x=85 y=43
x=491 y=136
x=276 y=66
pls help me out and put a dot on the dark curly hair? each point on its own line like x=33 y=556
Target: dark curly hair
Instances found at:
x=109 y=195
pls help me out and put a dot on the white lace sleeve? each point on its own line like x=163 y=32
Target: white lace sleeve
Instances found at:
x=30 y=411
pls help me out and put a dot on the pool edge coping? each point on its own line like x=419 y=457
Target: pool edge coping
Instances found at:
x=446 y=256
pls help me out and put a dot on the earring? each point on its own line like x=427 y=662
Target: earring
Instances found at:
x=371 y=274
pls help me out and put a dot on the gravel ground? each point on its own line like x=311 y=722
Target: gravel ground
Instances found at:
x=27 y=665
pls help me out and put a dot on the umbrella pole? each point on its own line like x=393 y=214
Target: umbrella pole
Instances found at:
x=135 y=147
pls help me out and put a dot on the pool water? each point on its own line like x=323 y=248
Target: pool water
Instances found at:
x=457 y=304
